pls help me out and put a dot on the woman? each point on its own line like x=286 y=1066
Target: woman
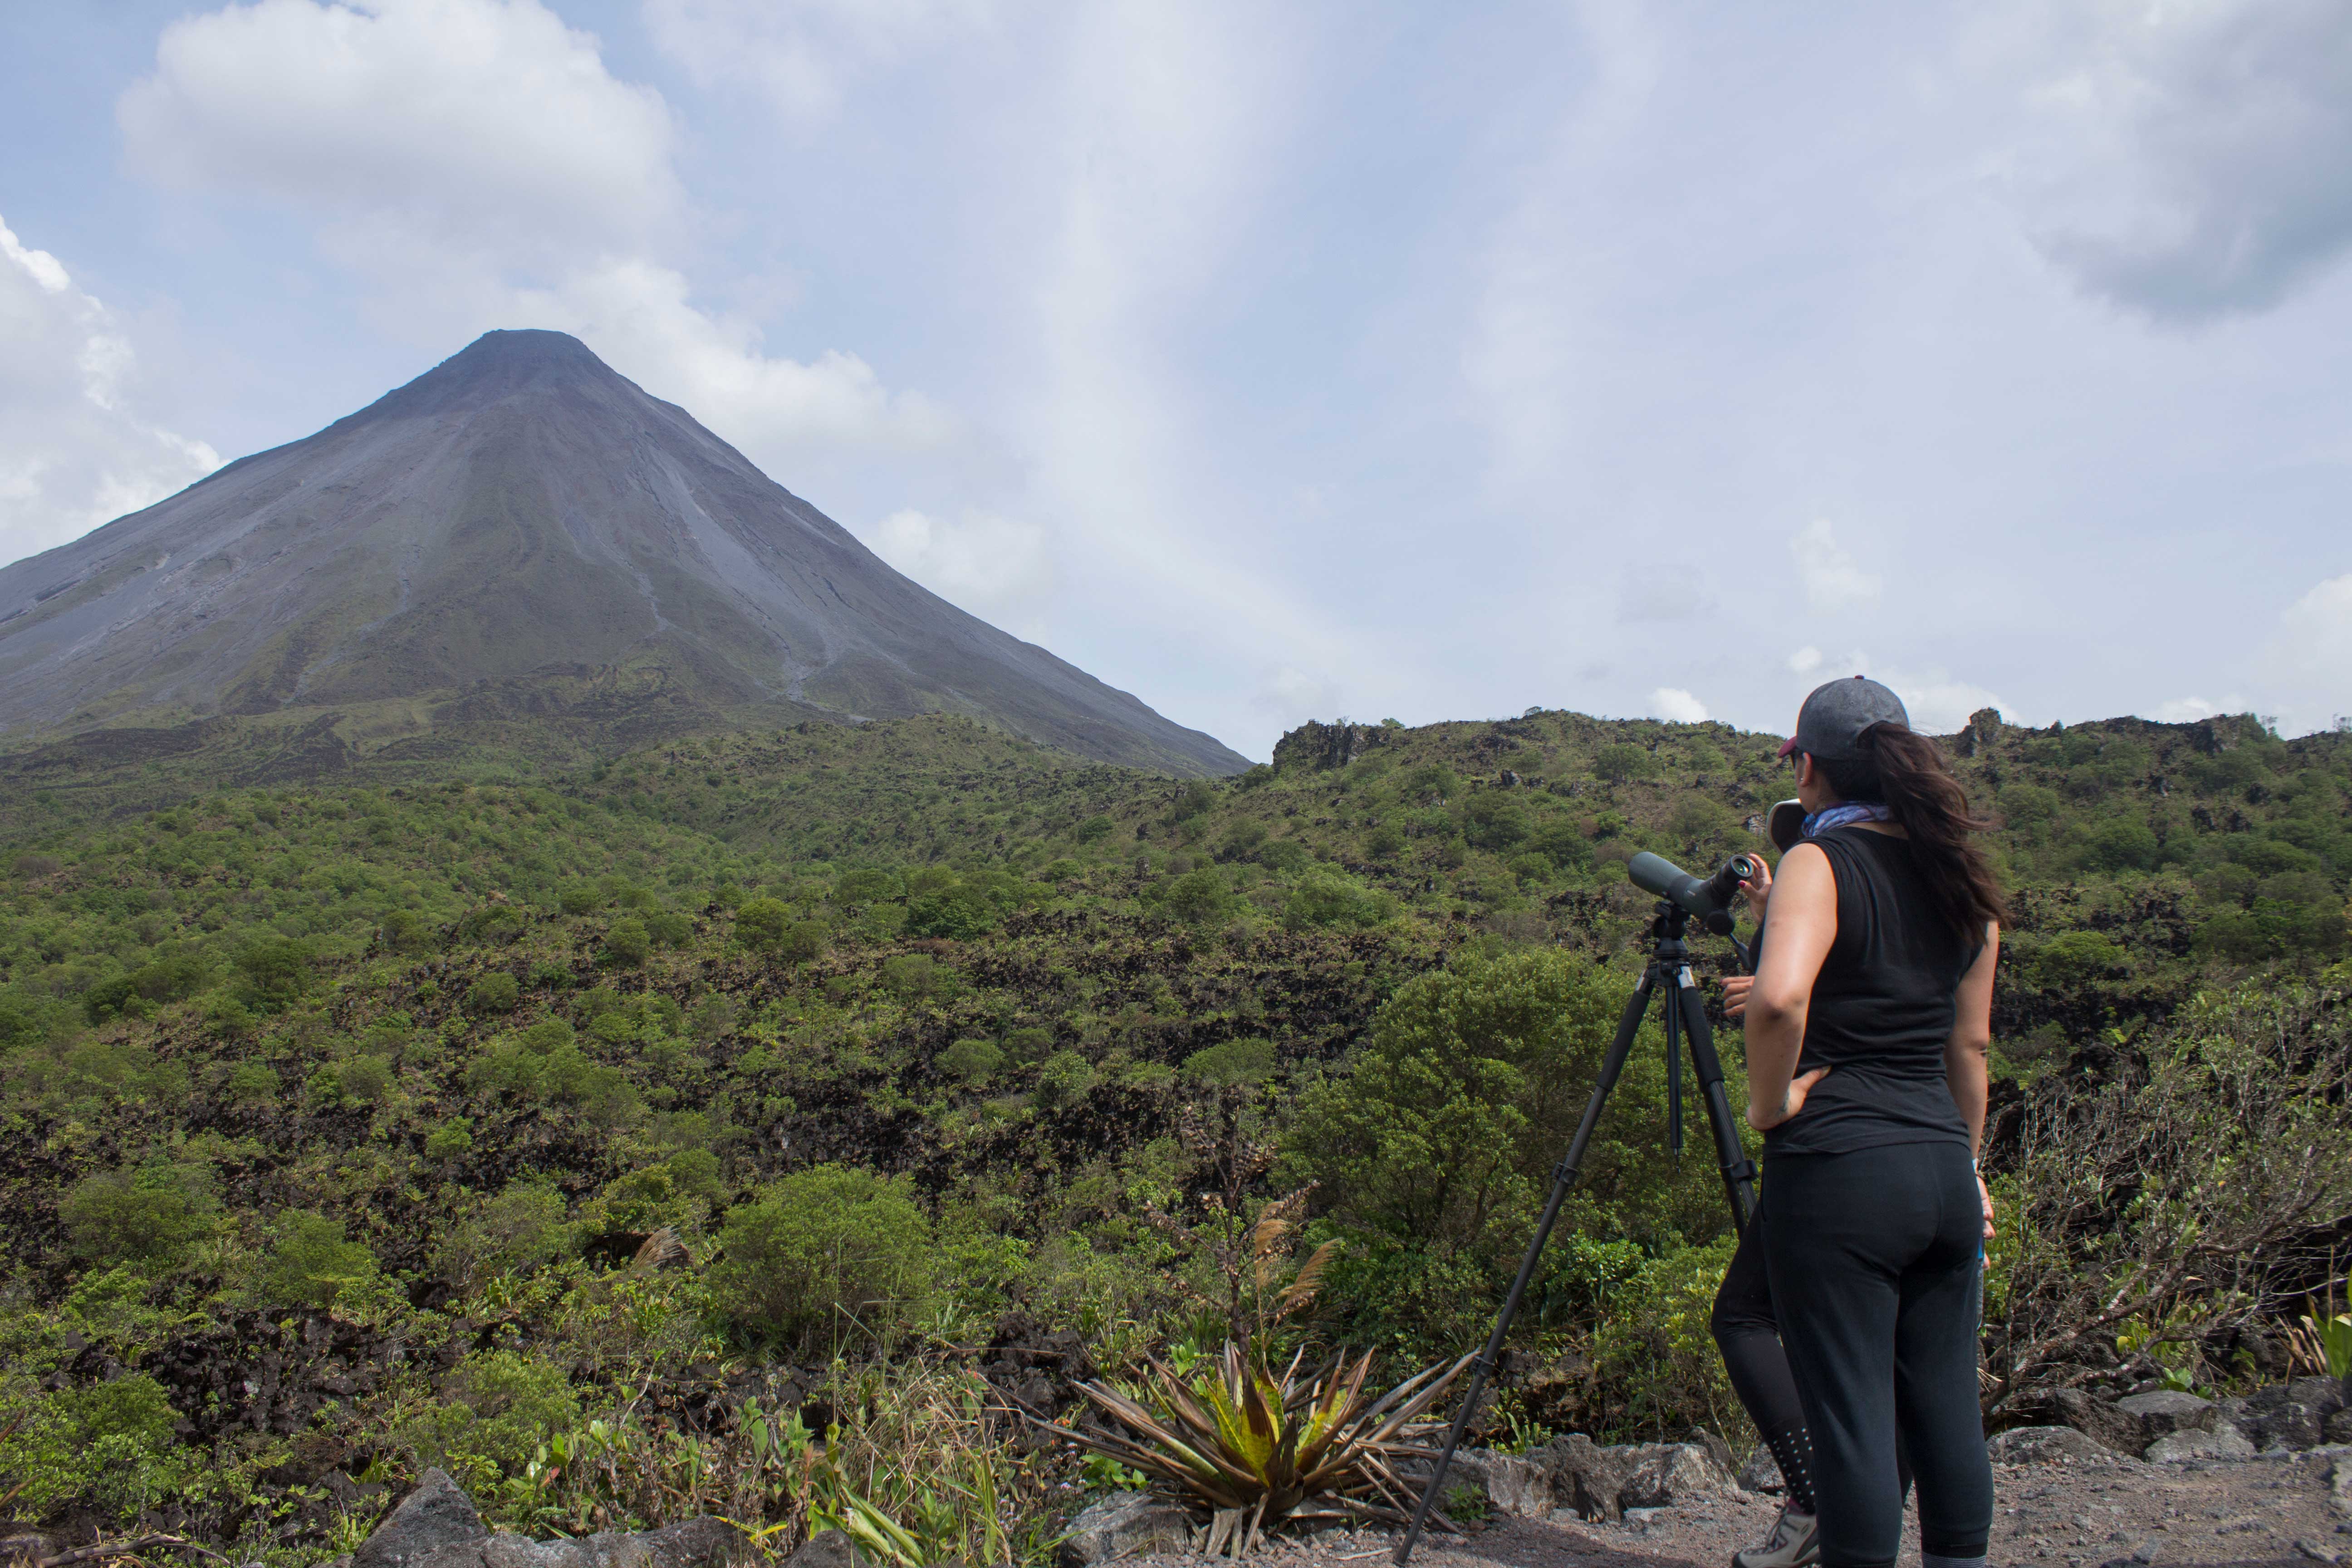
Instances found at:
x=1866 y=1029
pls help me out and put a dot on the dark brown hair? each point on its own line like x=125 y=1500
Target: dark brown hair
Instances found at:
x=1907 y=771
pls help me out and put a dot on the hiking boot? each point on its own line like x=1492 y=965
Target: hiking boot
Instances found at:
x=1795 y=1542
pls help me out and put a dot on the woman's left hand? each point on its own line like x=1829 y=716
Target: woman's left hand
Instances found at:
x=1984 y=1197
x=1758 y=889
x=1792 y=1101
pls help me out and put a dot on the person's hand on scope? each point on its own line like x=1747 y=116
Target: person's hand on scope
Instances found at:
x=1758 y=889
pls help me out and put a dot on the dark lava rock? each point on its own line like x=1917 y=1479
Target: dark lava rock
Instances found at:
x=438 y=1514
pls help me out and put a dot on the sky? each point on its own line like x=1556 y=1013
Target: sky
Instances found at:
x=1331 y=359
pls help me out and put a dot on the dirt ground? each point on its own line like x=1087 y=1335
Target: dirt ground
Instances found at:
x=2091 y=1514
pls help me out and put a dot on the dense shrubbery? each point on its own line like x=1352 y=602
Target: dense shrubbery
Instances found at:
x=912 y=1034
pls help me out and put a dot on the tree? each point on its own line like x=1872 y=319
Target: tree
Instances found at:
x=760 y=923
x=1621 y=763
x=496 y=992
x=828 y=1246
x=148 y=1218
x=627 y=942
x=313 y=1263
x=1443 y=1133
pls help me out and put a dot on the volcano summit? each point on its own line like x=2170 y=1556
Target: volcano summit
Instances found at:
x=518 y=535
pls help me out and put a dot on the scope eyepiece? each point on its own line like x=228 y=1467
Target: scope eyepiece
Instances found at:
x=1709 y=899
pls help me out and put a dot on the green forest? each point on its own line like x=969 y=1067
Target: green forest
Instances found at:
x=748 y=1123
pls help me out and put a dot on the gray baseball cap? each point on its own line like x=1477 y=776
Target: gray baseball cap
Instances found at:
x=1830 y=724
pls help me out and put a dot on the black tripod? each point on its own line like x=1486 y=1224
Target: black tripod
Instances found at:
x=1685 y=1015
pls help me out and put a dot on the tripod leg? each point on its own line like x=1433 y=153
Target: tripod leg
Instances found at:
x=1738 y=1171
x=1563 y=1177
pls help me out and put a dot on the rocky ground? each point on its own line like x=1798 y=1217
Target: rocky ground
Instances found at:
x=2082 y=1513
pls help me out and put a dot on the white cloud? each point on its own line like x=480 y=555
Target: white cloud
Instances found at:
x=1676 y=706
x=1805 y=660
x=1293 y=695
x=999 y=569
x=74 y=452
x=2195 y=160
x=1833 y=579
x=2308 y=662
x=801 y=53
x=477 y=166
x=479 y=124
x=2183 y=710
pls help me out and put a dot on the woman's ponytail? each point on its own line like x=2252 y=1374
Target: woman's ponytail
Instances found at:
x=1906 y=771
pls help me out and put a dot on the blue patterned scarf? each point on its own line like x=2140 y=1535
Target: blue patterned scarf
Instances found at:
x=1838 y=816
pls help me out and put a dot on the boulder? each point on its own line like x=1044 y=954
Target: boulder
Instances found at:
x=1125 y=1524
x=1586 y=1479
x=1666 y=1475
x=1514 y=1484
x=437 y=1526
x=436 y=1514
x=827 y=1549
x=2288 y=1414
x=690 y=1543
x=2043 y=1446
x=2102 y=1420
x=2339 y=1486
x=2223 y=1441
x=2165 y=1410
x=1761 y=1473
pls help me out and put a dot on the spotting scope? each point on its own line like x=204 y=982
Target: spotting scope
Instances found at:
x=1708 y=898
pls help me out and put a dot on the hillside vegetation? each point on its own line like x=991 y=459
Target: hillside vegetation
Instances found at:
x=607 y=1136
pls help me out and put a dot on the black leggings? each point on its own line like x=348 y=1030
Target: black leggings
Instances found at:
x=1748 y=1332
x=1873 y=1260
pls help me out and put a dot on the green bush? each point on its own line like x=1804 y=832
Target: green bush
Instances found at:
x=961 y=911
x=866 y=887
x=1093 y=829
x=109 y=1448
x=250 y=1083
x=1233 y=1062
x=450 y=1139
x=1620 y=763
x=2122 y=845
x=826 y=1252
x=273 y=973
x=312 y=1265
x=1288 y=856
x=627 y=943
x=668 y=928
x=973 y=1060
x=916 y=977
x=508 y=1403
x=404 y=932
x=762 y=923
x=2075 y=957
x=365 y=1080
x=496 y=992
x=1327 y=901
x=1491 y=820
x=1443 y=1133
x=1198 y=897
x=1065 y=1078
x=520 y=1228
x=149 y=1217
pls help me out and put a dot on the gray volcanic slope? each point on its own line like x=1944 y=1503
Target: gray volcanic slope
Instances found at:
x=520 y=513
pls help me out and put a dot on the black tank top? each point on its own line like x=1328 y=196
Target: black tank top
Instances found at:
x=1882 y=1009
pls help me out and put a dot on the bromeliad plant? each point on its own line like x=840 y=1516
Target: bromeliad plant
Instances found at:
x=1235 y=1439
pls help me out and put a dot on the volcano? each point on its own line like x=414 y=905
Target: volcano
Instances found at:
x=518 y=535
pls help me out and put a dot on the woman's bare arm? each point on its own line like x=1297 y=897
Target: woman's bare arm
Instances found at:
x=1804 y=924
x=1964 y=1053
